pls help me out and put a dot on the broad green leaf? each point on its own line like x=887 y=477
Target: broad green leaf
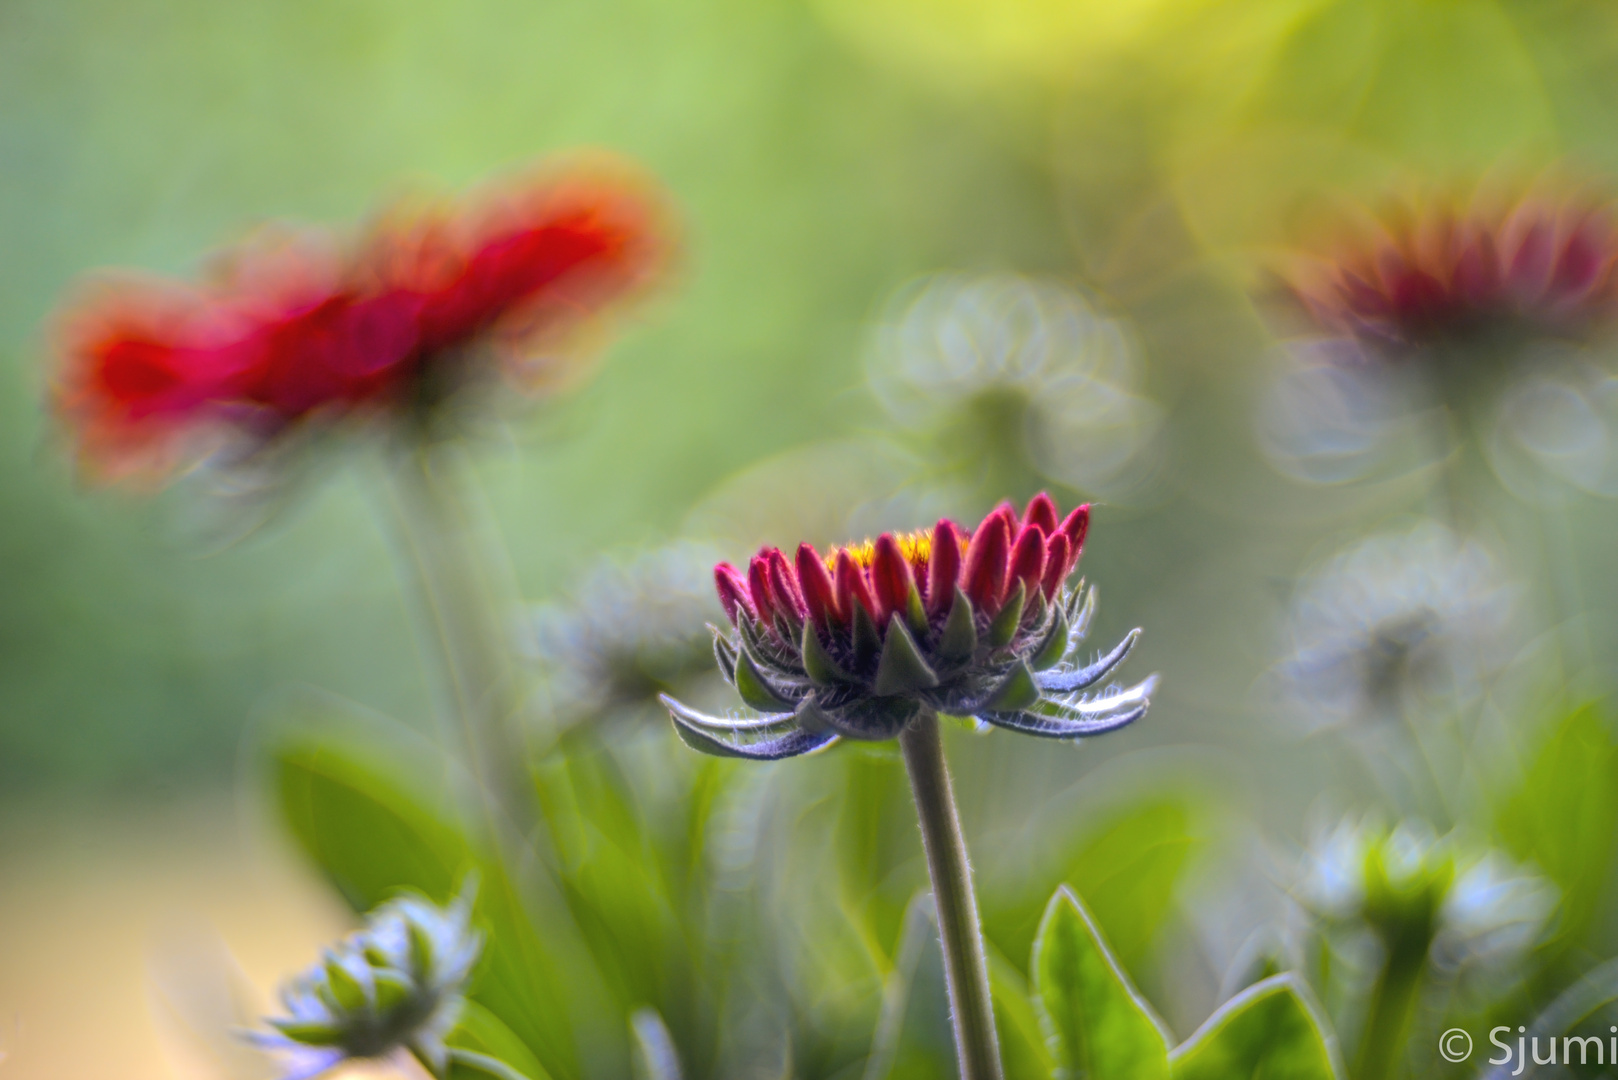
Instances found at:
x=372 y=839
x=1129 y=868
x=1561 y=818
x=481 y=1031
x=1269 y=1030
x=1023 y=1048
x=1099 y=1024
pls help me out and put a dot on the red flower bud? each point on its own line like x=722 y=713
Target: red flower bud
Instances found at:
x=943 y=568
x=732 y=589
x=890 y=577
x=987 y=562
x=1027 y=560
x=819 y=594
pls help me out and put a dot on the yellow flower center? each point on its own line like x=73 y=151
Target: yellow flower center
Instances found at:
x=916 y=547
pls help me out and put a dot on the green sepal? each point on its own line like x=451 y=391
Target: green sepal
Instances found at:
x=392 y=990
x=1081 y=608
x=959 y=638
x=1053 y=646
x=1004 y=626
x=817 y=662
x=754 y=690
x=916 y=613
x=310 y=1032
x=867 y=642
x=901 y=669
x=1016 y=691
x=421 y=951
x=724 y=654
x=764 y=653
x=346 y=990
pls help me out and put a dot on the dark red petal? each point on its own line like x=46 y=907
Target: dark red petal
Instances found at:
x=852 y=587
x=732 y=589
x=1074 y=528
x=1009 y=512
x=1057 y=553
x=891 y=579
x=1027 y=560
x=987 y=560
x=1042 y=512
x=943 y=568
x=819 y=594
x=784 y=587
x=758 y=584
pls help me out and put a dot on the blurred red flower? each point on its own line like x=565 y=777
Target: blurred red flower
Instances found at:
x=296 y=325
x=1424 y=277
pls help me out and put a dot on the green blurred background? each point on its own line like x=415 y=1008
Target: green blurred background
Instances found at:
x=822 y=156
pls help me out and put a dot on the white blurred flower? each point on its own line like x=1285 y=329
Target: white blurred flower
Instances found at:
x=1474 y=905
x=1396 y=621
x=629 y=630
x=1556 y=431
x=951 y=343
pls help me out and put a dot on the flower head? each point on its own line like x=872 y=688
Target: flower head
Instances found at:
x=299 y=326
x=633 y=629
x=1457 y=903
x=396 y=985
x=1021 y=368
x=1395 y=621
x=1442 y=275
x=859 y=642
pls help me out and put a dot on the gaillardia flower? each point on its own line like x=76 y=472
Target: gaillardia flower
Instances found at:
x=395 y=986
x=860 y=642
x=1439 y=275
x=300 y=327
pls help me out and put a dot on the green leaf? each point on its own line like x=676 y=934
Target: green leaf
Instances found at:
x=1560 y=819
x=1270 y=1030
x=482 y=1032
x=1099 y=1024
x=901 y=669
x=1023 y=1047
x=371 y=839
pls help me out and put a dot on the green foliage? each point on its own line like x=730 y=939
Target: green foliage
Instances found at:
x=1127 y=862
x=1561 y=816
x=481 y=1032
x=1269 y=1030
x=371 y=838
x=1101 y=1027
x=1099 y=1024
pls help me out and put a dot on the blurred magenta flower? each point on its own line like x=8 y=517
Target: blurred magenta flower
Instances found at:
x=862 y=641
x=1442 y=274
x=297 y=326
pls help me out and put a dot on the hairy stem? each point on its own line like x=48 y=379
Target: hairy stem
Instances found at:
x=977 y=1048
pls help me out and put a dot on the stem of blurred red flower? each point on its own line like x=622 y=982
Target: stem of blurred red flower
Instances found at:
x=977 y=1047
x=462 y=610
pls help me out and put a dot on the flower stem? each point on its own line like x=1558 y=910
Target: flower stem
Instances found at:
x=1393 y=1001
x=977 y=1048
x=462 y=612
